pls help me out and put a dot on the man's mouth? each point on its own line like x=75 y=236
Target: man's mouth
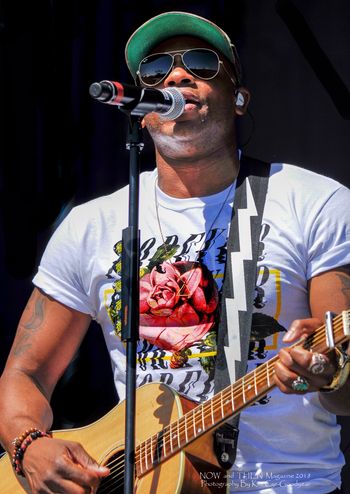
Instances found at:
x=191 y=100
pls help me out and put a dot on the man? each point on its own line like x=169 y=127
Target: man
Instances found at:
x=289 y=440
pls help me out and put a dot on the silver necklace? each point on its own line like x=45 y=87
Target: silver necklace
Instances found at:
x=205 y=235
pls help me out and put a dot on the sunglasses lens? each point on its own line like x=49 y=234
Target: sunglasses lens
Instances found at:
x=202 y=63
x=154 y=68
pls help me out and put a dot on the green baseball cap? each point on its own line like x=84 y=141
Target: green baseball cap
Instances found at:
x=170 y=24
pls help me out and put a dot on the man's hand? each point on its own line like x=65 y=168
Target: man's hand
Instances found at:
x=295 y=363
x=55 y=465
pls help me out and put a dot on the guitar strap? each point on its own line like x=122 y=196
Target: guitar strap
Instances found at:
x=238 y=293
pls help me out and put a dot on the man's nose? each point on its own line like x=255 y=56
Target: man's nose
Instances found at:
x=178 y=75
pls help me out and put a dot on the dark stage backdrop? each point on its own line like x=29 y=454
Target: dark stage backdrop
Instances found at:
x=60 y=148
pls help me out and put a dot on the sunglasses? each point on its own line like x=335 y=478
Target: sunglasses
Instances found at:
x=200 y=62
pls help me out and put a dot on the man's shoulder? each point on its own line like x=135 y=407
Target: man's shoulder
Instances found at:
x=296 y=177
x=99 y=214
x=304 y=192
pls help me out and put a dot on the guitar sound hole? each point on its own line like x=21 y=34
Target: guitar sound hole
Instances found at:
x=114 y=483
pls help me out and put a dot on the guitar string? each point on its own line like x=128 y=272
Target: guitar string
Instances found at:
x=316 y=339
x=230 y=393
x=115 y=485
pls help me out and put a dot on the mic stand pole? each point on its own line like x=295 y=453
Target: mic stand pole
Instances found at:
x=130 y=296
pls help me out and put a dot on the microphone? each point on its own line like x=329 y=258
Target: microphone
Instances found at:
x=169 y=102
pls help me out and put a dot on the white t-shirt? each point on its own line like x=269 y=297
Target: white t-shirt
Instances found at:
x=287 y=443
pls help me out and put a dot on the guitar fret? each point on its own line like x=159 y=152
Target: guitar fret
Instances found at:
x=243 y=391
x=152 y=452
x=203 y=421
x=149 y=457
x=159 y=444
x=178 y=434
x=163 y=436
x=222 y=406
x=138 y=459
x=175 y=430
x=255 y=383
x=212 y=411
x=268 y=373
x=194 y=423
x=227 y=403
x=186 y=436
x=232 y=400
x=249 y=386
x=171 y=438
x=199 y=429
x=145 y=455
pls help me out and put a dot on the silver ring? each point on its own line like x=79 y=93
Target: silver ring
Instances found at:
x=318 y=364
x=300 y=384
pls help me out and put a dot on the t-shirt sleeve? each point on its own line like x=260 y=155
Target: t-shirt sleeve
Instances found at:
x=64 y=268
x=329 y=234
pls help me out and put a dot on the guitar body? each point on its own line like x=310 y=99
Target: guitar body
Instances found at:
x=194 y=469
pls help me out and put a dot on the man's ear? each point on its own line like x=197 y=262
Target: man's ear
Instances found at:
x=242 y=97
x=143 y=123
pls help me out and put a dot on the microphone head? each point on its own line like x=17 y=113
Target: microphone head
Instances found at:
x=102 y=91
x=95 y=90
x=178 y=103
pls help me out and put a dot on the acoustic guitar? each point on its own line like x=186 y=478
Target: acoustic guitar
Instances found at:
x=173 y=435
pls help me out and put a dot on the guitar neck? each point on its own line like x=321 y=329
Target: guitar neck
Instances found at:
x=227 y=403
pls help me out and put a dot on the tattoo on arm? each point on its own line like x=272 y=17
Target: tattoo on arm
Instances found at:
x=36 y=309
x=37 y=315
x=345 y=286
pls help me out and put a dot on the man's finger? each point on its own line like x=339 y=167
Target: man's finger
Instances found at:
x=301 y=327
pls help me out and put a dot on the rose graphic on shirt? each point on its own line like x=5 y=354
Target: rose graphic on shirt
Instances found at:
x=178 y=303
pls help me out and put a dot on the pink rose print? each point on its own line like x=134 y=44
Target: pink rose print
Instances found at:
x=178 y=303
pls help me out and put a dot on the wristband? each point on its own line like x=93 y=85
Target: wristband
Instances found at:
x=342 y=373
x=21 y=443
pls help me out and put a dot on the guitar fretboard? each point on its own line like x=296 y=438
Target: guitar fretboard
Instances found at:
x=228 y=403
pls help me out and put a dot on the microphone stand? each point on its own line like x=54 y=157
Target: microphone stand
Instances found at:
x=130 y=295
x=174 y=103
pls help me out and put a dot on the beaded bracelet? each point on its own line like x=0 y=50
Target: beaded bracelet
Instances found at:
x=21 y=443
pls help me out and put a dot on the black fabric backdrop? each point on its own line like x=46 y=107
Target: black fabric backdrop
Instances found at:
x=60 y=148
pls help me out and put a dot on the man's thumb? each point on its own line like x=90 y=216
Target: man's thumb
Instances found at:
x=80 y=456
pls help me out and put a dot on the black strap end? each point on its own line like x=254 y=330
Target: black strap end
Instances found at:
x=225 y=445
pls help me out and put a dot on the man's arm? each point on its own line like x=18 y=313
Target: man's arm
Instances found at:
x=329 y=291
x=48 y=336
